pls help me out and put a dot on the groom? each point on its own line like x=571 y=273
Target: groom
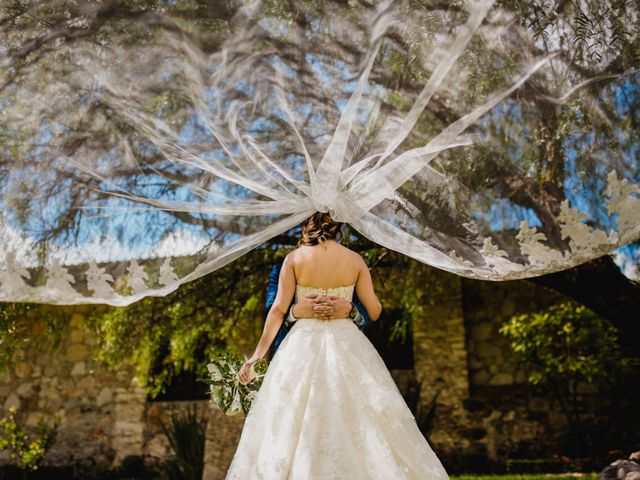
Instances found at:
x=312 y=305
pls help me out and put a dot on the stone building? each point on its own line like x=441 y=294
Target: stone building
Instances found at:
x=455 y=349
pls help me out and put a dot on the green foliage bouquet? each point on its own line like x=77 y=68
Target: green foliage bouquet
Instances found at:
x=227 y=392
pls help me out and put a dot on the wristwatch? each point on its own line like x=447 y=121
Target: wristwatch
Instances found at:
x=356 y=316
x=290 y=318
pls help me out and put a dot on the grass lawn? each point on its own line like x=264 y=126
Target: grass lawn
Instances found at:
x=532 y=476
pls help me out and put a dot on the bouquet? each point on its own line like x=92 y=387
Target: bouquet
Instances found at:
x=227 y=392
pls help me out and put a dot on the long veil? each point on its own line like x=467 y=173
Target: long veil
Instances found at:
x=146 y=147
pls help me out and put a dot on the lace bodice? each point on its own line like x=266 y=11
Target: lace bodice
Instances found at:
x=345 y=292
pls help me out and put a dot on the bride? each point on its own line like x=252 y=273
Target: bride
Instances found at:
x=328 y=408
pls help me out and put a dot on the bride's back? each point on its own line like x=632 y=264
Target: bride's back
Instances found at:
x=322 y=263
x=326 y=265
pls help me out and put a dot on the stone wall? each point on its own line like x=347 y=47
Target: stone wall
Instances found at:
x=104 y=416
x=441 y=359
x=508 y=416
x=486 y=306
x=509 y=422
x=89 y=400
x=223 y=433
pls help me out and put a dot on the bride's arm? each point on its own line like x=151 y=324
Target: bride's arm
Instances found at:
x=275 y=317
x=365 y=292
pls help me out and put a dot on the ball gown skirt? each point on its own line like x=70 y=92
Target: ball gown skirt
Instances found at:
x=328 y=408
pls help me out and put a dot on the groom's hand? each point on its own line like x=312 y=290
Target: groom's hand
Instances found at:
x=305 y=307
x=314 y=305
x=331 y=307
x=339 y=307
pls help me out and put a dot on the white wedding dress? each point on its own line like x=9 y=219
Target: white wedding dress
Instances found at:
x=328 y=408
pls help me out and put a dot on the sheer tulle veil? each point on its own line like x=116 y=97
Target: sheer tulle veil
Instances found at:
x=160 y=148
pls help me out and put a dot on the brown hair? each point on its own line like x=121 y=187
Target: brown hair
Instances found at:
x=319 y=228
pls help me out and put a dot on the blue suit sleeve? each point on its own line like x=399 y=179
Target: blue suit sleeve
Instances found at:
x=361 y=309
x=272 y=288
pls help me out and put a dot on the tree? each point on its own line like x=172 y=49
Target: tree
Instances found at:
x=166 y=336
x=601 y=287
x=149 y=69
x=565 y=348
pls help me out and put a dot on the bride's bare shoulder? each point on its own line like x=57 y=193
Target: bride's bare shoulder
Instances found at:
x=293 y=256
x=351 y=254
x=299 y=255
x=299 y=251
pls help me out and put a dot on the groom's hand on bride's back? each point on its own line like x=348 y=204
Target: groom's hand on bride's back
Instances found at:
x=336 y=307
x=329 y=307
x=306 y=307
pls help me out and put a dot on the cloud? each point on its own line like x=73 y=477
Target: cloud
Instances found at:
x=180 y=243
x=108 y=249
x=23 y=246
x=628 y=260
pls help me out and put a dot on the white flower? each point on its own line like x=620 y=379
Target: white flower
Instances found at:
x=216 y=375
x=236 y=406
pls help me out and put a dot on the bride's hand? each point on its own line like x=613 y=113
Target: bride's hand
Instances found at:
x=244 y=375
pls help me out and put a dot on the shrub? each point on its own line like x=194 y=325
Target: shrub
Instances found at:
x=186 y=435
x=27 y=453
x=565 y=348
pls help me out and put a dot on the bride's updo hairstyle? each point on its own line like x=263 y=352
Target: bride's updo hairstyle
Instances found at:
x=319 y=228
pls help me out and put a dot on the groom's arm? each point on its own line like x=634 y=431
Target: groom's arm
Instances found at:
x=332 y=307
x=272 y=286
